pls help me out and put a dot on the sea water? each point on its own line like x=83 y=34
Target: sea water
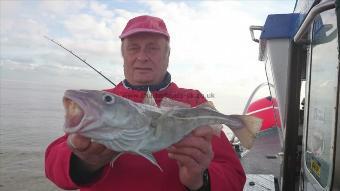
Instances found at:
x=31 y=117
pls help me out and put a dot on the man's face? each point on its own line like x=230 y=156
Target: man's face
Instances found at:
x=146 y=58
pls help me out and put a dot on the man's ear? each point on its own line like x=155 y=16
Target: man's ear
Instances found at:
x=121 y=48
x=168 y=58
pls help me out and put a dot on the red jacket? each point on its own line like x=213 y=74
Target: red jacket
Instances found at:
x=132 y=172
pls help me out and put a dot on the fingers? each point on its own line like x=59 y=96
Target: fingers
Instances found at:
x=193 y=155
x=200 y=154
x=94 y=155
x=94 y=149
x=188 y=155
x=83 y=144
x=186 y=161
x=200 y=139
x=205 y=131
x=78 y=142
x=195 y=150
x=191 y=141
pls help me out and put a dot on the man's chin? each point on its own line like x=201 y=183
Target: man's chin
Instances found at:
x=143 y=81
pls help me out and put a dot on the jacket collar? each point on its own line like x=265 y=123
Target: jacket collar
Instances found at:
x=158 y=87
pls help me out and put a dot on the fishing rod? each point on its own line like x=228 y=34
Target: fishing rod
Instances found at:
x=83 y=60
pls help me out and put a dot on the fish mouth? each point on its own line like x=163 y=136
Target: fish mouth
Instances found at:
x=73 y=113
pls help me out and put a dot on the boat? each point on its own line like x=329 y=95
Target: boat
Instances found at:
x=300 y=148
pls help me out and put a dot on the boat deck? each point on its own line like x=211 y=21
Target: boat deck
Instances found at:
x=261 y=163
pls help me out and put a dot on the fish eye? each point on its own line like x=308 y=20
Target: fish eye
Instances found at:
x=108 y=99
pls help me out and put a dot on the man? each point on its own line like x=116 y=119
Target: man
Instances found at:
x=200 y=161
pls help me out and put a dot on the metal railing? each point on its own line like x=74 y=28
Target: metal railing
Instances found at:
x=316 y=10
x=253 y=28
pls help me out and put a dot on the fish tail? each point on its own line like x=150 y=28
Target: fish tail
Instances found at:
x=248 y=133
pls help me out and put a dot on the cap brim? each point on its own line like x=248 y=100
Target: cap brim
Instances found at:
x=140 y=30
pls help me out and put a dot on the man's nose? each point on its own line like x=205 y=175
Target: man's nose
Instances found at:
x=142 y=55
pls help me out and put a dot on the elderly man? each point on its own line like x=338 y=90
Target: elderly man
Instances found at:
x=199 y=161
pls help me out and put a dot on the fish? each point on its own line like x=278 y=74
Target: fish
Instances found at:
x=143 y=128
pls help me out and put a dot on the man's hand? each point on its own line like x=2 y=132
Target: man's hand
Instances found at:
x=193 y=154
x=93 y=155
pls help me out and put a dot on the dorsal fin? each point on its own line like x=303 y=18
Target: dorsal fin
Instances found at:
x=149 y=99
x=207 y=104
x=170 y=103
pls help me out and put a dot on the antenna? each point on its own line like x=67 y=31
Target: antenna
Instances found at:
x=83 y=60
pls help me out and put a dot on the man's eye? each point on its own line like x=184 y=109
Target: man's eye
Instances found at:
x=132 y=48
x=154 y=47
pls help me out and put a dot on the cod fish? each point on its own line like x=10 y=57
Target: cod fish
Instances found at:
x=126 y=126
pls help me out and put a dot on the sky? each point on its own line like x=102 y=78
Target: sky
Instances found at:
x=211 y=47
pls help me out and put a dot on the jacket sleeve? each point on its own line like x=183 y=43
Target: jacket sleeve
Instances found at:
x=225 y=170
x=57 y=164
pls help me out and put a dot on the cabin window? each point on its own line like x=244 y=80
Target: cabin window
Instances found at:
x=321 y=118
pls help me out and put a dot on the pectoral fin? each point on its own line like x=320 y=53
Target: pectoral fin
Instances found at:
x=115 y=158
x=170 y=103
x=148 y=155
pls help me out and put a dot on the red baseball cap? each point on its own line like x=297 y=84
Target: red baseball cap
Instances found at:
x=145 y=23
